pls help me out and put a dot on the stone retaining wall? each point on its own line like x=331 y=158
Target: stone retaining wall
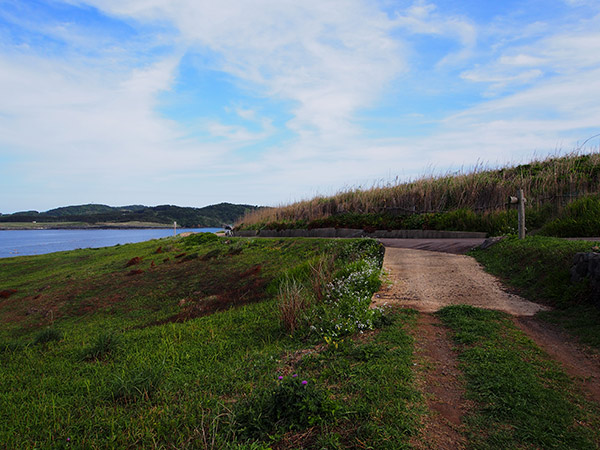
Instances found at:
x=355 y=233
x=587 y=265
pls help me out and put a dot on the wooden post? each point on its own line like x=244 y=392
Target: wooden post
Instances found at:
x=522 y=200
x=175 y=228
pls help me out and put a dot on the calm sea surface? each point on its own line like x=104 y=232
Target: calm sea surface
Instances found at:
x=37 y=242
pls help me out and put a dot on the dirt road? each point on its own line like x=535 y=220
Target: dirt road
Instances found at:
x=428 y=281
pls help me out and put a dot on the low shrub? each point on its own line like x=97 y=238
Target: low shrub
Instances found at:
x=346 y=308
x=539 y=266
x=578 y=219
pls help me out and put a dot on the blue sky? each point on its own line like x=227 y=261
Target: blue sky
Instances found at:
x=194 y=102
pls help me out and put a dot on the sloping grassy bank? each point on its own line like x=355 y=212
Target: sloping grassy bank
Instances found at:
x=189 y=342
x=538 y=267
x=471 y=201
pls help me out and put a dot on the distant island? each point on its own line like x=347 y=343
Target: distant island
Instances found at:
x=133 y=216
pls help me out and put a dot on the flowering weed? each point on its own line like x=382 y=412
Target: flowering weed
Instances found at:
x=291 y=403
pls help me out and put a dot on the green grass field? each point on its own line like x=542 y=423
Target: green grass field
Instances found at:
x=188 y=343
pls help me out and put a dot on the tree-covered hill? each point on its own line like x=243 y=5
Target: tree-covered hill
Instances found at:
x=208 y=216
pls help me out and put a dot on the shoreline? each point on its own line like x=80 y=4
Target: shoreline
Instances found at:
x=103 y=226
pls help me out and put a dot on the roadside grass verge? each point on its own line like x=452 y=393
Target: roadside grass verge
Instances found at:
x=538 y=268
x=524 y=399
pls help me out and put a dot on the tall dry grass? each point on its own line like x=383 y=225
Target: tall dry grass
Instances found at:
x=555 y=180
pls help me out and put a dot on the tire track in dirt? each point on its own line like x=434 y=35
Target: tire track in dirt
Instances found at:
x=440 y=379
x=430 y=280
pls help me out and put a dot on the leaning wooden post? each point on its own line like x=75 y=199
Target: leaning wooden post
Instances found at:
x=522 y=200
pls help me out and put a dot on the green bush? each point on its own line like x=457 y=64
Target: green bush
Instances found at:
x=580 y=218
x=539 y=266
x=292 y=403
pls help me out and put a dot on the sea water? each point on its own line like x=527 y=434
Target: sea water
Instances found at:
x=37 y=242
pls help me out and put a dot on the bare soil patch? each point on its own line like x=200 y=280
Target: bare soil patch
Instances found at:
x=439 y=378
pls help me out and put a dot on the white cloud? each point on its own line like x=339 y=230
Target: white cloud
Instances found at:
x=422 y=18
x=328 y=58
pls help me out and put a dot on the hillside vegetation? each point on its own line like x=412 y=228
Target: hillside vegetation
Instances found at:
x=208 y=216
x=473 y=201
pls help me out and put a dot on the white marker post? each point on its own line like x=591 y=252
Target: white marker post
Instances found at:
x=175 y=228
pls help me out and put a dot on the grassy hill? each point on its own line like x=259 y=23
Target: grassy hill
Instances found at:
x=473 y=201
x=208 y=216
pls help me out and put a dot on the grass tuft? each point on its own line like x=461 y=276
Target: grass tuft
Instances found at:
x=137 y=384
x=47 y=335
x=106 y=343
x=293 y=301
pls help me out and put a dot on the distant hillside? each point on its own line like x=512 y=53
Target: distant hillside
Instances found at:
x=208 y=216
x=473 y=201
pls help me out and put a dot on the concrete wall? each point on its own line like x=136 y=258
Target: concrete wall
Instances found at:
x=352 y=233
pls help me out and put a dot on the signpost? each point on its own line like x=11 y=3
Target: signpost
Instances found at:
x=520 y=201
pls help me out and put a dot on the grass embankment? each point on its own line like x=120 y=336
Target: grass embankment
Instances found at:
x=539 y=268
x=472 y=201
x=523 y=400
x=180 y=343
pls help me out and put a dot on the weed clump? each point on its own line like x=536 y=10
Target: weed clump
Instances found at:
x=292 y=303
x=292 y=403
x=105 y=344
